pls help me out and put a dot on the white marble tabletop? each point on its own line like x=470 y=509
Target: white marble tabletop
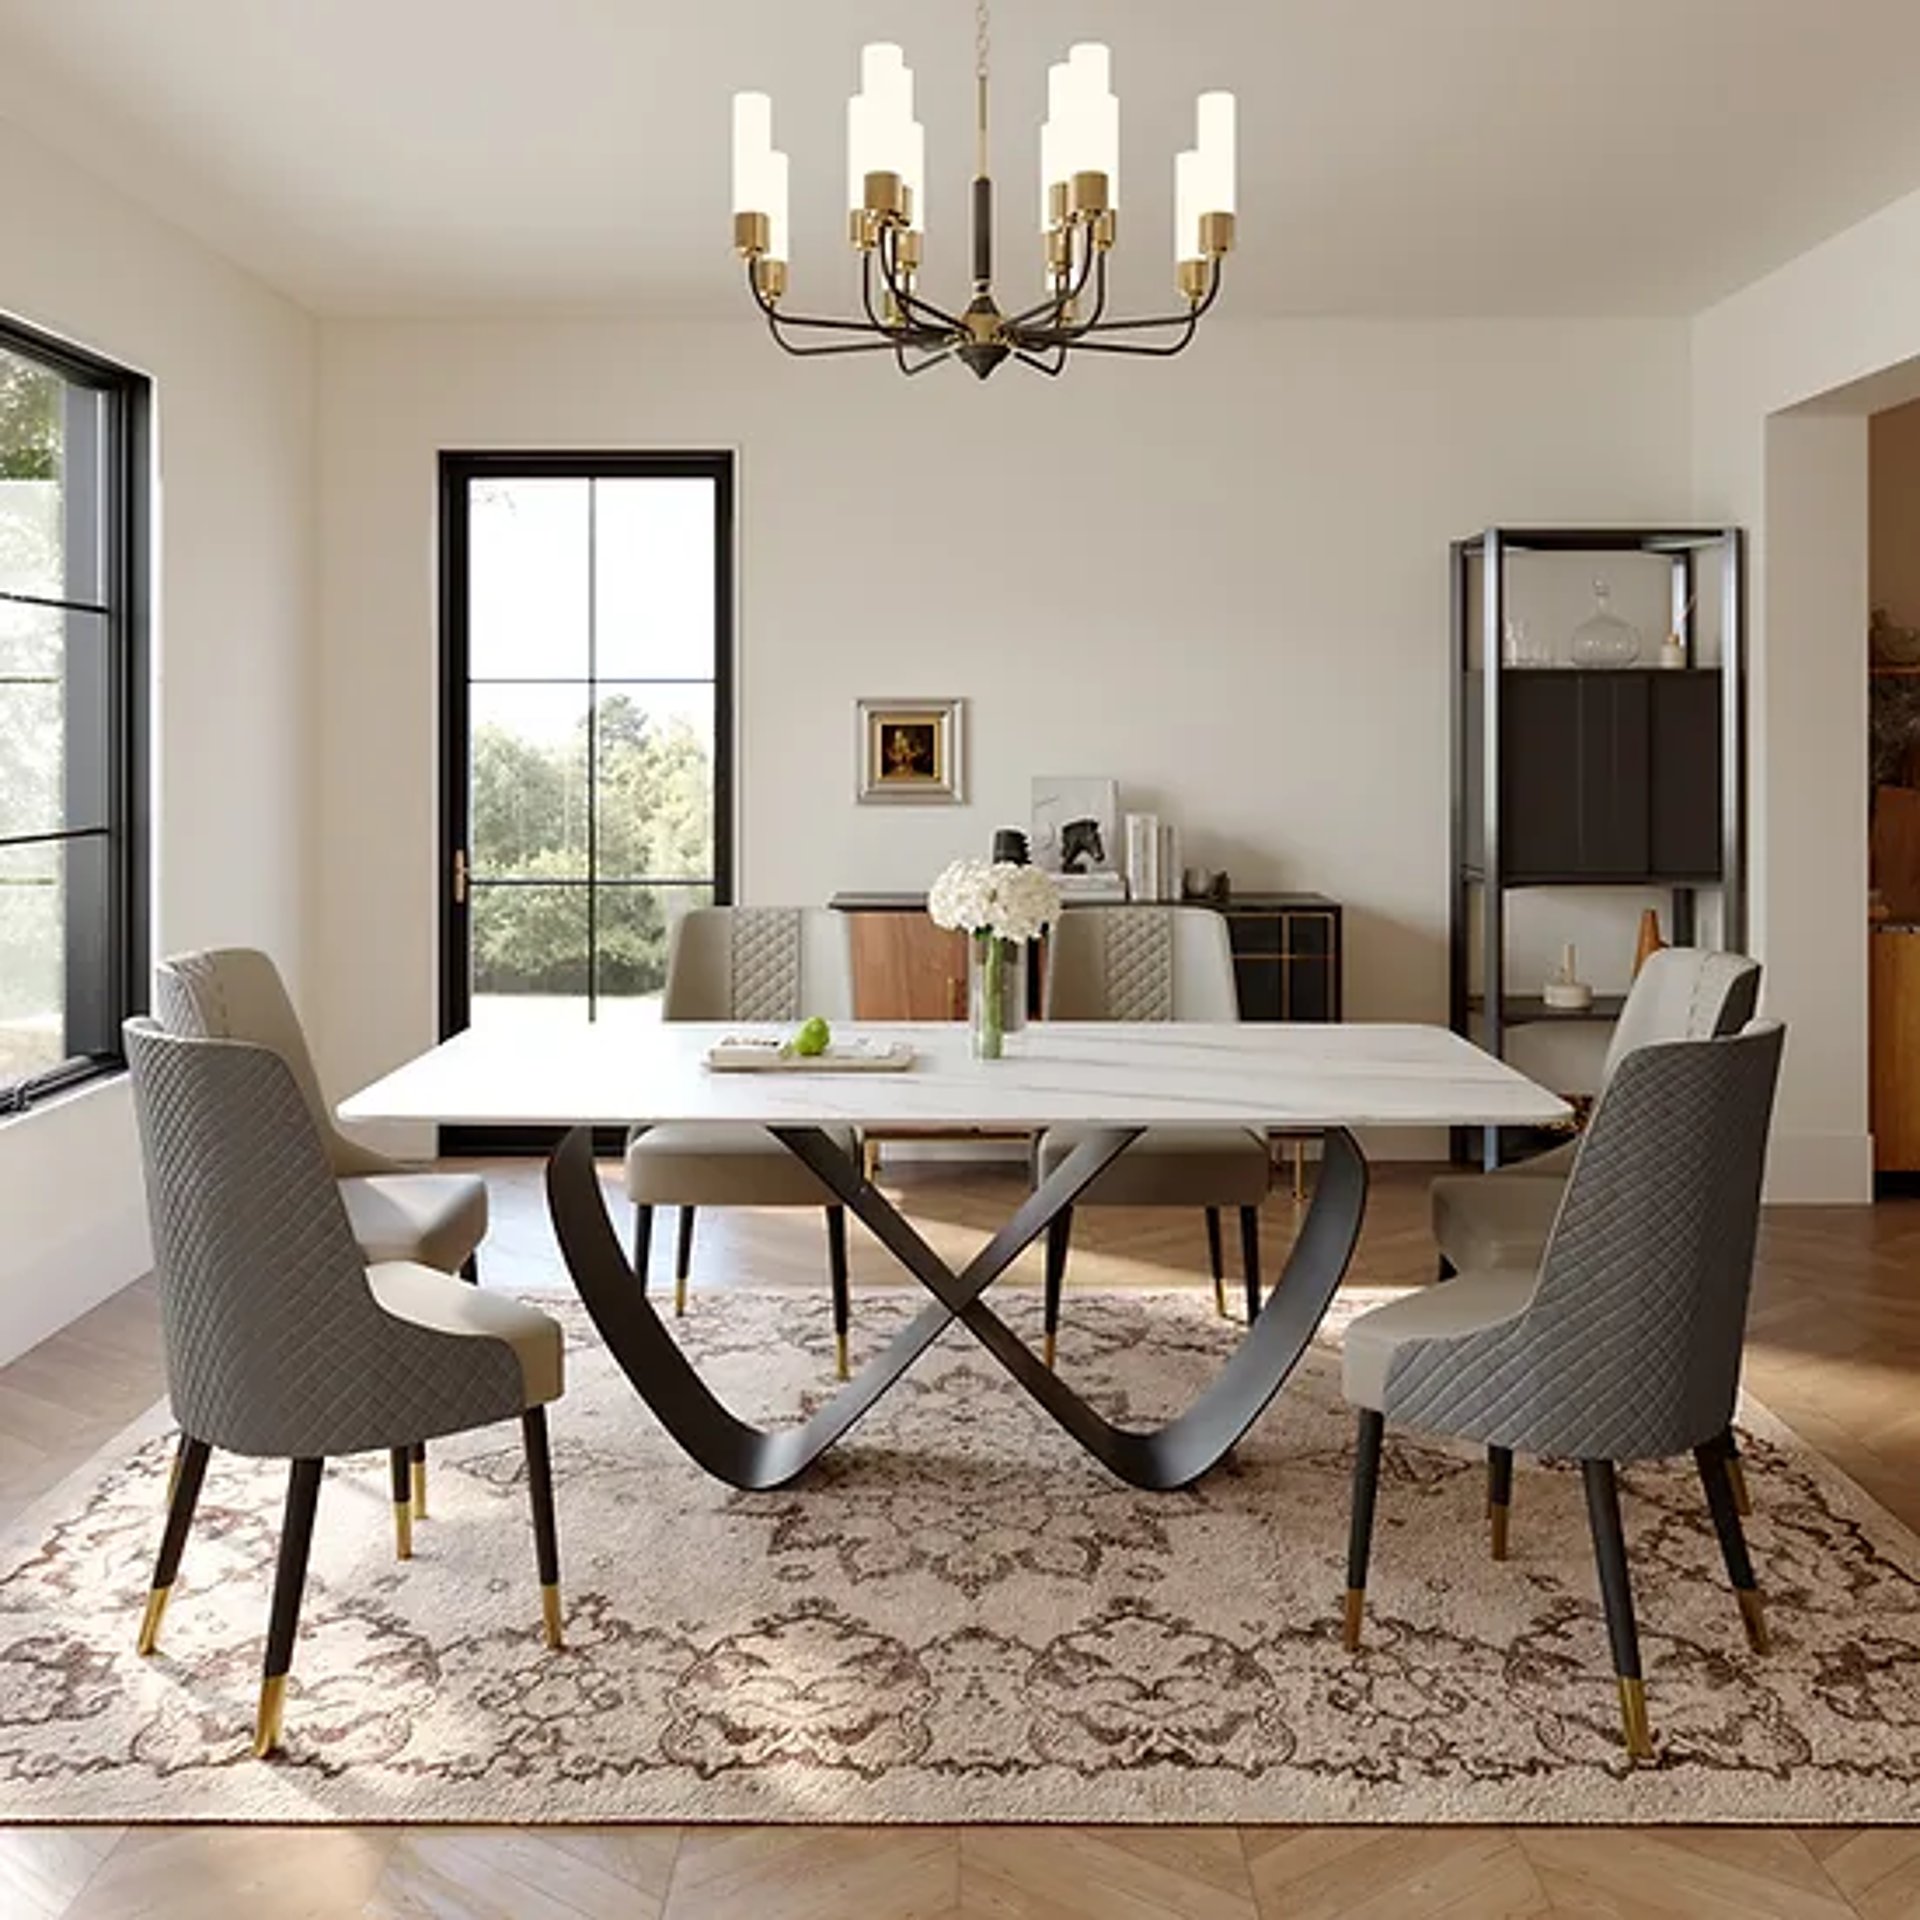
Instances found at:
x=1055 y=1072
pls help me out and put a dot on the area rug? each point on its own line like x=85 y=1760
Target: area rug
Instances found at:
x=958 y=1617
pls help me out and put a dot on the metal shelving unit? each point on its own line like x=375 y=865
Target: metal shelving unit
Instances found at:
x=1589 y=777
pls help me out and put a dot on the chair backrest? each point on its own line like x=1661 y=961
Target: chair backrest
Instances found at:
x=1140 y=963
x=1685 y=993
x=236 y=993
x=760 y=963
x=274 y=1344
x=1631 y=1343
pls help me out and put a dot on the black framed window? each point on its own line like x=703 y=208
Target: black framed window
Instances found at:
x=73 y=959
x=586 y=613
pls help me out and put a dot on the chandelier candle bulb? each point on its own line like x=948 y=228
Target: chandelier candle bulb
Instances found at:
x=1186 y=208
x=1215 y=145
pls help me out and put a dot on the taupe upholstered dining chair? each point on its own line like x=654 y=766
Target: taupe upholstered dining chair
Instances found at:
x=1623 y=1343
x=282 y=1342
x=397 y=1212
x=1502 y=1218
x=746 y=964
x=1154 y=963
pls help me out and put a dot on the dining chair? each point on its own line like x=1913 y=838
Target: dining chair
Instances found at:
x=1154 y=963
x=1622 y=1343
x=283 y=1342
x=746 y=964
x=396 y=1211
x=1501 y=1219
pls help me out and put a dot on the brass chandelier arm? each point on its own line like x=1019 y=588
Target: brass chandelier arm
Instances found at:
x=1188 y=324
x=911 y=303
x=1057 y=303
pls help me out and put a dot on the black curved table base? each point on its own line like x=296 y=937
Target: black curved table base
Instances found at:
x=755 y=1459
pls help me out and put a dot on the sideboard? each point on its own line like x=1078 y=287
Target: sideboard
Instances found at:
x=1286 y=956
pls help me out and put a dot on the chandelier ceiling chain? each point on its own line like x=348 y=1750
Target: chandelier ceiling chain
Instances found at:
x=1079 y=222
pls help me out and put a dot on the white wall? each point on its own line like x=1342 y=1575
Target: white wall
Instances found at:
x=1221 y=579
x=1784 y=375
x=233 y=371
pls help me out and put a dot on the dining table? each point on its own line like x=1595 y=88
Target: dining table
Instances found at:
x=1109 y=1082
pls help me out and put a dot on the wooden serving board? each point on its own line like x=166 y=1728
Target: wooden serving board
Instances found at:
x=752 y=1055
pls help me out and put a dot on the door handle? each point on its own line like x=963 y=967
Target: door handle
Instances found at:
x=459 y=876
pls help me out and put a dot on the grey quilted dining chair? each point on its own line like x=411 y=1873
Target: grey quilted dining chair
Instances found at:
x=1623 y=1343
x=282 y=1342
x=1154 y=963
x=397 y=1212
x=746 y=964
x=1502 y=1219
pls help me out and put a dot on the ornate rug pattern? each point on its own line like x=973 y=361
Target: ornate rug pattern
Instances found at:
x=957 y=1618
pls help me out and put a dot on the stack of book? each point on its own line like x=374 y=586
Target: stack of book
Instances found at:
x=1101 y=888
x=1153 y=858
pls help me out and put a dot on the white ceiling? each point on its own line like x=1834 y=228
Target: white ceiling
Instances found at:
x=1398 y=157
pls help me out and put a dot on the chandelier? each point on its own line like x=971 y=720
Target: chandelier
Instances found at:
x=1079 y=221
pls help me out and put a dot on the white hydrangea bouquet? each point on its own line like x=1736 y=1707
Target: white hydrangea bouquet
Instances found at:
x=1002 y=907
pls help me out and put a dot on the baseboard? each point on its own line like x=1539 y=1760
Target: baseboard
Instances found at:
x=71 y=1195
x=1820 y=1170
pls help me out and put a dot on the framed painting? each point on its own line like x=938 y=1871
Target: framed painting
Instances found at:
x=912 y=750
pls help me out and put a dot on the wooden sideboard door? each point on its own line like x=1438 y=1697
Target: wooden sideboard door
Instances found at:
x=906 y=968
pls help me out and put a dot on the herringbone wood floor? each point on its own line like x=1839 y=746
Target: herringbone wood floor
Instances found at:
x=1835 y=1350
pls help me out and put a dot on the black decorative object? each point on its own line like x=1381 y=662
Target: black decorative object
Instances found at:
x=1010 y=845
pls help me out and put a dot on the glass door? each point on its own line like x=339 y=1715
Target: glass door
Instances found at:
x=587 y=621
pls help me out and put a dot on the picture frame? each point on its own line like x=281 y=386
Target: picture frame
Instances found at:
x=1076 y=823
x=911 y=752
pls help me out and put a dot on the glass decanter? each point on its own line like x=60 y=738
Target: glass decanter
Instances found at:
x=1604 y=639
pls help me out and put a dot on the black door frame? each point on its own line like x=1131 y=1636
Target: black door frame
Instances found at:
x=458 y=468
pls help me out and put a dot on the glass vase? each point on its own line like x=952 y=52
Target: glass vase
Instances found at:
x=996 y=993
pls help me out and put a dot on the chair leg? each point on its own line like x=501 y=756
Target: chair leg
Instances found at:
x=642 y=1244
x=289 y=1583
x=1217 y=1262
x=404 y=1466
x=1059 y=1239
x=842 y=1293
x=546 y=1534
x=1445 y=1270
x=1616 y=1592
x=683 y=1260
x=189 y=1469
x=1366 y=1483
x=1716 y=1475
x=470 y=1269
x=417 y=1462
x=1737 y=1473
x=1499 y=1496
x=1250 y=1259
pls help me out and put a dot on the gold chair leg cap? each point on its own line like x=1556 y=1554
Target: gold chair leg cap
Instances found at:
x=1742 y=1500
x=273 y=1706
x=419 y=1489
x=1753 y=1616
x=840 y=1364
x=1220 y=1297
x=550 y=1616
x=150 y=1620
x=402 y=1530
x=1633 y=1718
x=1350 y=1622
x=1498 y=1515
x=679 y=1299
x=1046 y=1351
